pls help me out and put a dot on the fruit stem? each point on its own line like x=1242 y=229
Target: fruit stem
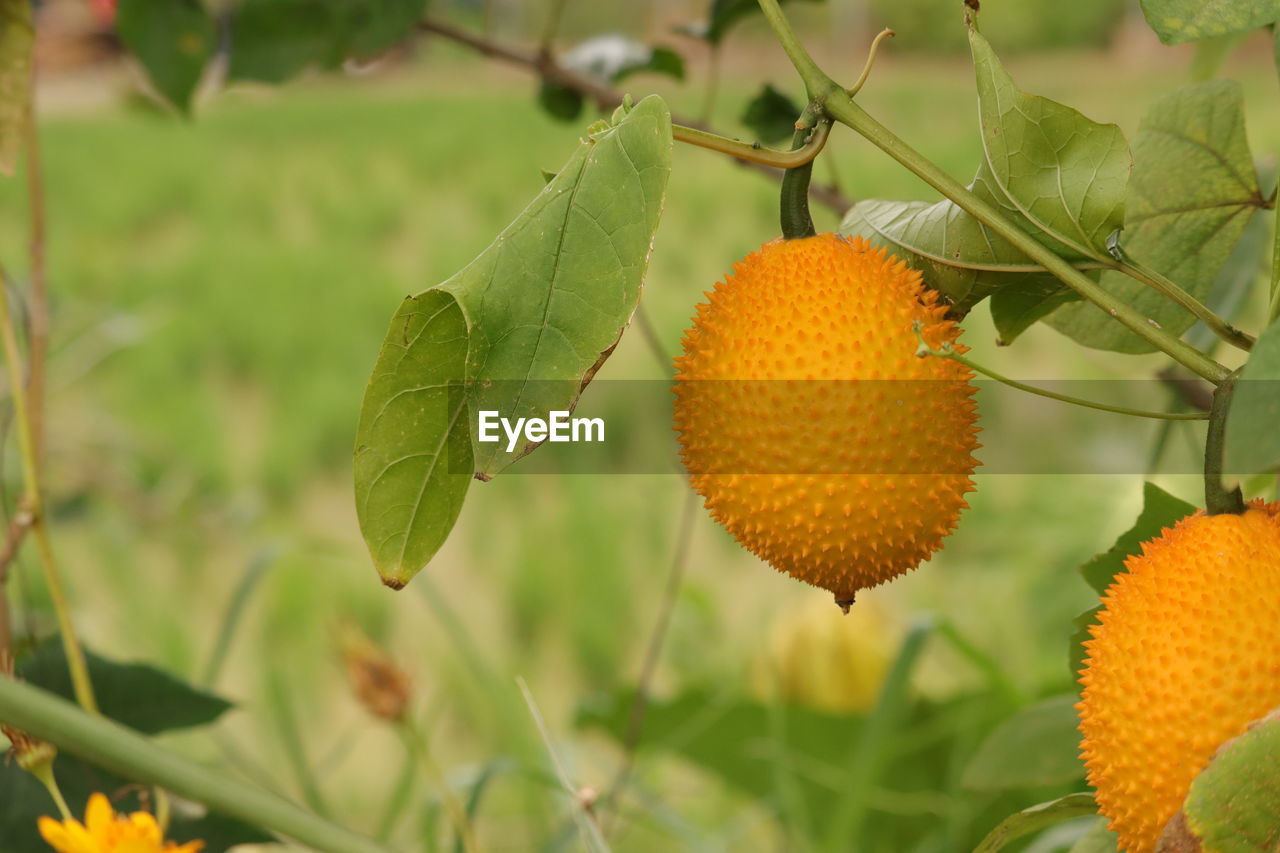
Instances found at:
x=1218 y=499
x=803 y=152
x=793 y=202
x=948 y=351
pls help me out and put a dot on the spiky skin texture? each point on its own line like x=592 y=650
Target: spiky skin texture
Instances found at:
x=841 y=484
x=1185 y=654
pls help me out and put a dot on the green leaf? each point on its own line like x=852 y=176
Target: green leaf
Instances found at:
x=662 y=60
x=547 y=301
x=173 y=40
x=1252 y=439
x=413 y=461
x=958 y=255
x=273 y=40
x=1177 y=21
x=1039 y=745
x=137 y=695
x=1193 y=191
x=771 y=116
x=1159 y=510
x=1234 y=803
x=1046 y=164
x=1036 y=818
x=1068 y=196
x=1018 y=306
x=16 y=40
x=1099 y=839
x=520 y=331
x=1242 y=270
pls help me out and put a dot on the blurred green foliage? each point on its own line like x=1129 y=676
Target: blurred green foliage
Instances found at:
x=1013 y=26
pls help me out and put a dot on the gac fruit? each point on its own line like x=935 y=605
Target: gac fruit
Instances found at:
x=807 y=421
x=1184 y=655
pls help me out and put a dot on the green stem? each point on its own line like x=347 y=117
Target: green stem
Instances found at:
x=79 y=669
x=886 y=33
x=841 y=107
x=1171 y=291
x=795 y=218
x=44 y=772
x=120 y=750
x=417 y=746
x=816 y=83
x=1274 y=313
x=753 y=152
x=1218 y=499
x=948 y=352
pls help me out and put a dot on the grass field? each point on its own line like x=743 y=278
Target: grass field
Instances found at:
x=221 y=288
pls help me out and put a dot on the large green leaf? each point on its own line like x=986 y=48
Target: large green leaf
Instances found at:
x=1039 y=745
x=1054 y=172
x=1047 y=164
x=173 y=40
x=520 y=331
x=272 y=40
x=1177 y=21
x=1193 y=191
x=1035 y=819
x=547 y=302
x=413 y=461
x=16 y=40
x=1253 y=423
x=135 y=694
x=1234 y=803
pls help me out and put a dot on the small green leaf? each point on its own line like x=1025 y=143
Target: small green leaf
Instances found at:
x=662 y=60
x=1018 y=306
x=547 y=302
x=136 y=695
x=1159 y=510
x=1037 y=817
x=16 y=40
x=1252 y=440
x=1039 y=745
x=1177 y=21
x=1193 y=191
x=771 y=116
x=173 y=40
x=413 y=461
x=1234 y=803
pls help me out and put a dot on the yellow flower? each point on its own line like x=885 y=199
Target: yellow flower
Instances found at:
x=103 y=831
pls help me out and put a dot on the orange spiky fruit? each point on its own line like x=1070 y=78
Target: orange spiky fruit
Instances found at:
x=815 y=433
x=1184 y=655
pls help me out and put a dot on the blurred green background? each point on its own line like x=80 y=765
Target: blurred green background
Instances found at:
x=220 y=290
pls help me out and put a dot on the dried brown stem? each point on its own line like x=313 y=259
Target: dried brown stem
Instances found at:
x=605 y=97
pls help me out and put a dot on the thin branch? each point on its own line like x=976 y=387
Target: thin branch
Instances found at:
x=640 y=704
x=604 y=97
x=38 y=310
